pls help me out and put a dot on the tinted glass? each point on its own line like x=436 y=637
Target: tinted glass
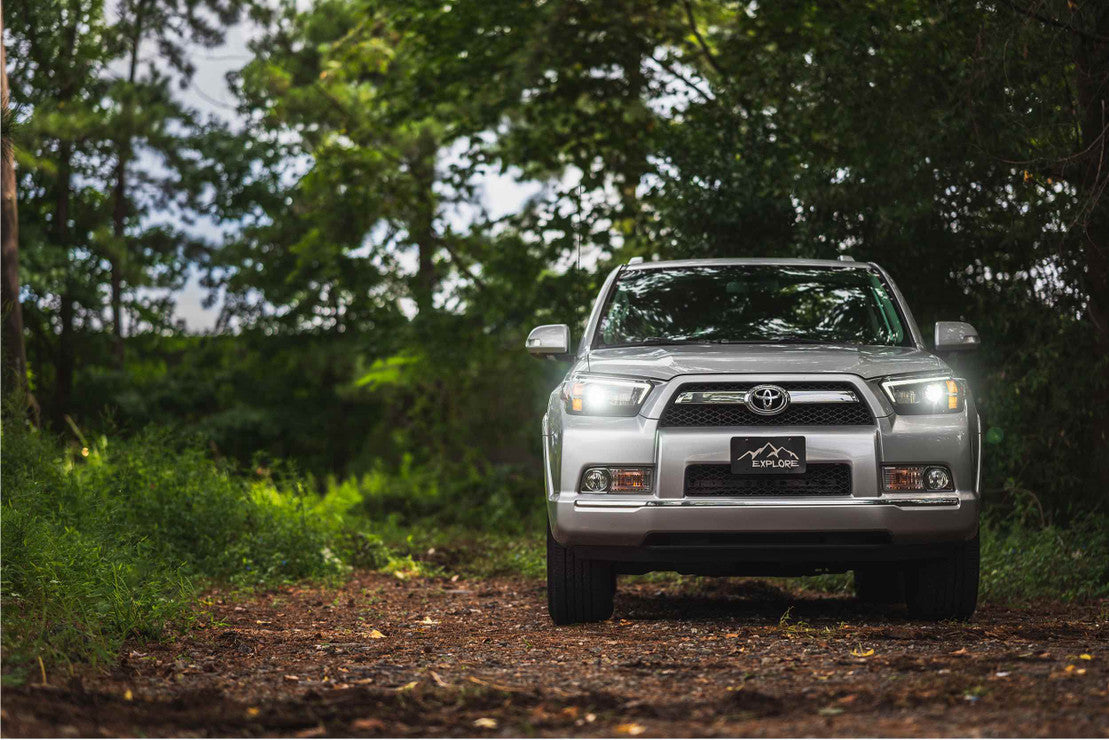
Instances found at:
x=751 y=303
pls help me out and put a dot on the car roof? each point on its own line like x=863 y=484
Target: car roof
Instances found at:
x=784 y=261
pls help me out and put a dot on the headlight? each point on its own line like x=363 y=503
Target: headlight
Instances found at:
x=597 y=395
x=936 y=395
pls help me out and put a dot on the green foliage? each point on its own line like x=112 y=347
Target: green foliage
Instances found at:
x=1024 y=558
x=113 y=540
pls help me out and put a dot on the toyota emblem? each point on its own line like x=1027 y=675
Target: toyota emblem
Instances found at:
x=767 y=400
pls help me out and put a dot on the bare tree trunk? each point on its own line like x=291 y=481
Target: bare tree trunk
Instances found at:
x=14 y=353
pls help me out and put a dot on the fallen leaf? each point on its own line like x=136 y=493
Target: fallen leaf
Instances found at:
x=316 y=731
x=367 y=724
x=437 y=679
x=487 y=723
x=1085 y=656
x=408 y=686
x=291 y=678
x=376 y=635
x=428 y=621
x=860 y=653
x=732 y=634
x=960 y=651
x=830 y=711
x=630 y=728
x=253 y=711
x=127 y=695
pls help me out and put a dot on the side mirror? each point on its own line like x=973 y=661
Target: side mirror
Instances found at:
x=956 y=336
x=551 y=341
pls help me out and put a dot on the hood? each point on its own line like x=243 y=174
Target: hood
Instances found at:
x=666 y=362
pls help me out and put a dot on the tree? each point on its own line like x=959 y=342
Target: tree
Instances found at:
x=148 y=117
x=14 y=376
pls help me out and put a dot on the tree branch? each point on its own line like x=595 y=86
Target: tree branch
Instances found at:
x=1055 y=22
x=701 y=40
x=679 y=76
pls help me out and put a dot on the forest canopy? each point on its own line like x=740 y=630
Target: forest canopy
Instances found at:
x=372 y=307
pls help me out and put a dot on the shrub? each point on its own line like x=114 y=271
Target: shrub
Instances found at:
x=114 y=540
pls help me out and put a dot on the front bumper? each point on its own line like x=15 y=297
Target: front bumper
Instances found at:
x=632 y=522
x=867 y=519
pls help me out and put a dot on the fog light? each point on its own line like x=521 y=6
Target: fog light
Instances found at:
x=617 y=480
x=937 y=479
x=595 y=480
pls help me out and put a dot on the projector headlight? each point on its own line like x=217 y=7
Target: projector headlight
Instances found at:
x=598 y=395
x=936 y=395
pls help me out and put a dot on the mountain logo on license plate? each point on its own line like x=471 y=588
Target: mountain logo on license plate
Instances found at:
x=768 y=455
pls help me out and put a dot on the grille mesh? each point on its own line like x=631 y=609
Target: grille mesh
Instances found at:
x=819 y=479
x=737 y=415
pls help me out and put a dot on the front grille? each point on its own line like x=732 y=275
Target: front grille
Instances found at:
x=819 y=479
x=738 y=415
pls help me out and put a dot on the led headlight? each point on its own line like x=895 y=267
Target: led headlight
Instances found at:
x=935 y=395
x=598 y=395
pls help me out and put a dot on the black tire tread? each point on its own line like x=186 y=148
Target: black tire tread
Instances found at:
x=946 y=588
x=578 y=590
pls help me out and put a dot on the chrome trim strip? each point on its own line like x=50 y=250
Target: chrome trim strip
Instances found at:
x=736 y=503
x=740 y=397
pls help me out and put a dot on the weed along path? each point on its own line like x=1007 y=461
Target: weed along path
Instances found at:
x=381 y=656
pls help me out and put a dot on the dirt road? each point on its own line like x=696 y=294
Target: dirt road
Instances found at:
x=724 y=657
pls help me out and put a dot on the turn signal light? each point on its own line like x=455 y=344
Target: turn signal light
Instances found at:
x=916 y=478
x=616 y=480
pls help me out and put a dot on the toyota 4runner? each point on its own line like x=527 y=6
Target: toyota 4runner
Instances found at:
x=760 y=417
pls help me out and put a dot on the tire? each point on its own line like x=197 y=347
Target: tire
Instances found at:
x=946 y=588
x=880 y=584
x=578 y=590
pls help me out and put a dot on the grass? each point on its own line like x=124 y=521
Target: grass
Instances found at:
x=106 y=542
x=109 y=541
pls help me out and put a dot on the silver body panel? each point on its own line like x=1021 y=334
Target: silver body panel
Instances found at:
x=573 y=443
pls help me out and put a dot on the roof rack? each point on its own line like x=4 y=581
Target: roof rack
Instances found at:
x=846 y=258
x=635 y=261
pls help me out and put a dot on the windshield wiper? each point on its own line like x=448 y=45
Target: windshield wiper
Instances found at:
x=657 y=341
x=797 y=340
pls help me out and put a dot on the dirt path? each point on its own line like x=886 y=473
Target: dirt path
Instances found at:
x=432 y=657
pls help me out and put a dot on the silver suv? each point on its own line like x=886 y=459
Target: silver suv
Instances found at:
x=760 y=417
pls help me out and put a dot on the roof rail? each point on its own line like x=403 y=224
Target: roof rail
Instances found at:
x=846 y=258
x=635 y=261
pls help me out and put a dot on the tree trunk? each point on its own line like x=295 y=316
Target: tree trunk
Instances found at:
x=14 y=378
x=422 y=224
x=1092 y=71
x=117 y=255
x=63 y=368
x=119 y=218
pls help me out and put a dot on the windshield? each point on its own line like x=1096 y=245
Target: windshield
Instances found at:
x=750 y=304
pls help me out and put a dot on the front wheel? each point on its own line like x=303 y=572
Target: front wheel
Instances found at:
x=578 y=590
x=946 y=588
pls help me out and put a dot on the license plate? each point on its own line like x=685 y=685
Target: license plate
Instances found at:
x=768 y=455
